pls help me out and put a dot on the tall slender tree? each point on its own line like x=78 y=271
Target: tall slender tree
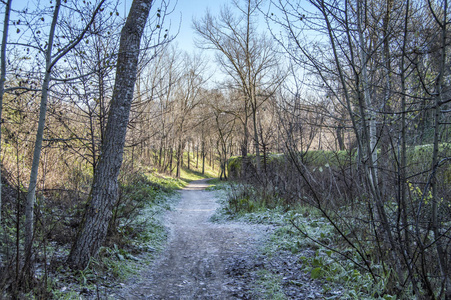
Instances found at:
x=51 y=59
x=384 y=63
x=3 y=79
x=98 y=212
x=245 y=55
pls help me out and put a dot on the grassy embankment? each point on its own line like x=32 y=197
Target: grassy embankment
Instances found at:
x=300 y=227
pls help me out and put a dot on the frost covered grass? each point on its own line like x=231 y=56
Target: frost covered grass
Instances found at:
x=318 y=250
x=270 y=285
x=139 y=235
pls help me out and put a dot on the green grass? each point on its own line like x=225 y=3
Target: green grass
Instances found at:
x=172 y=183
x=186 y=174
x=166 y=181
x=191 y=175
x=317 y=234
x=209 y=172
x=416 y=155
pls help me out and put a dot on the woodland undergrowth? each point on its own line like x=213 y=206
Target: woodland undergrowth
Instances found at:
x=317 y=201
x=305 y=233
x=136 y=234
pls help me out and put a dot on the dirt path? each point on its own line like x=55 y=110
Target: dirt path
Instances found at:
x=202 y=260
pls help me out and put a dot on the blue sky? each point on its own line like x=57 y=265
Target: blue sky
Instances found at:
x=184 y=12
x=182 y=15
x=189 y=10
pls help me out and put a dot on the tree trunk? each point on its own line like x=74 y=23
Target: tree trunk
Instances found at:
x=2 y=81
x=210 y=161
x=203 y=157
x=402 y=172
x=245 y=141
x=197 y=156
x=159 y=158
x=251 y=89
x=104 y=189
x=369 y=105
x=29 y=207
x=256 y=141
x=179 y=159
x=189 y=158
x=340 y=139
x=435 y=221
x=192 y=148
x=171 y=153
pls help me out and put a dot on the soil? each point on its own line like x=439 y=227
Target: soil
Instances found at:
x=205 y=260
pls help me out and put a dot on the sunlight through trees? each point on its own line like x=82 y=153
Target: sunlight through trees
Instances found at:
x=338 y=107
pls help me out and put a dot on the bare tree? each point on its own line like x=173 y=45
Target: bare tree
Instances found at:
x=51 y=59
x=188 y=95
x=93 y=230
x=225 y=127
x=441 y=17
x=382 y=63
x=246 y=56
x=2 y=80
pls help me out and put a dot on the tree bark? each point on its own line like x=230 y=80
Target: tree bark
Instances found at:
x=435 y=221
x=104 y=190
x=2 y=81
x=179 y=159
x=197 y=156
x=340 y=139
x=29 y=207
x=50 y=61
x=402 y=171
x=203 y=157
x=369 y=107
x=189 y=158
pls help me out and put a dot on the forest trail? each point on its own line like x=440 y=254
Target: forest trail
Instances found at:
x=202 y=260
